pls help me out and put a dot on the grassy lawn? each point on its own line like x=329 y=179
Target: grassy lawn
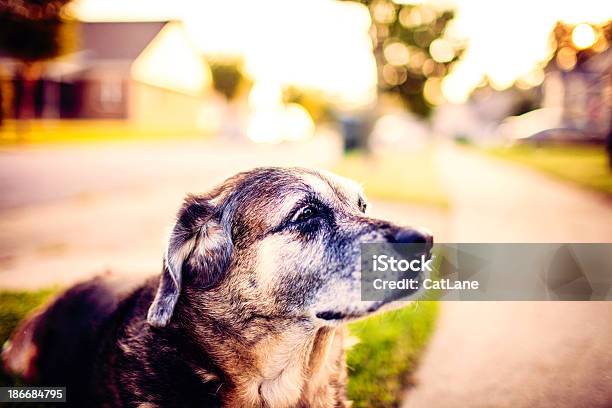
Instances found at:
x=379 y=365
x=585 y=166
x=67 y=131
x=13 y=307
x=390 y=344
x=406 y=177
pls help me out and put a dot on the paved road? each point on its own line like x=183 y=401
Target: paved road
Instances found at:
x=70 y=212
x=44 y=174
x=518 y=354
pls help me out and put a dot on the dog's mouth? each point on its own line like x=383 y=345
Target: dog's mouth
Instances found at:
x=337 y=316
x=330 y=315
x=364 y=308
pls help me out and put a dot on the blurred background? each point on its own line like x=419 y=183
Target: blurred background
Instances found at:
x=483 y=121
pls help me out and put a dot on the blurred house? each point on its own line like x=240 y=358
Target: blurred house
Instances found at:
x=479 y=118
x=583 y=93
x=399 y=131
x=145 y=72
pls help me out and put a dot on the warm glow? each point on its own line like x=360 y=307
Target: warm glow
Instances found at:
x=282 y=123
x=298 y=125
x=394 y=75
x=433 y=91
x=265 y=126
x=408 y=2
x=441 y=50
x=532 y=79
x=270 y=121
x=315 y=44
x=396 y=53
x=411 y=17
x=566 y=58
x=508 y=39
x=325 y=45
x=583 y=36
x=265 y=95
x=383 y=12
x=170 y=62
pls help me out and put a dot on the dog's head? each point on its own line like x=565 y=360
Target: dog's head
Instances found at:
x=275 y=242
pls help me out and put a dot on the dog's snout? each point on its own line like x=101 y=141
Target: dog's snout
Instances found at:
x=413 y=236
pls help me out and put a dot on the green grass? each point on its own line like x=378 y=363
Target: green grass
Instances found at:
x=406 y=177
x=14 y=306
x=81 y=130
x=585 y=166
x=379 y=365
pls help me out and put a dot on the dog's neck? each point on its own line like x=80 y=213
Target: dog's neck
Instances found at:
x=281 y=365
x=298 y=367
x=293 y=368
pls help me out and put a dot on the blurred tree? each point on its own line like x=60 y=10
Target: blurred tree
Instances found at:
x=413 y=51
x=573 y=54
x=32 y=31
x=315 y=102
x=227 y=76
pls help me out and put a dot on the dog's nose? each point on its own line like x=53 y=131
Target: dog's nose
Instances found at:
x=413 y=236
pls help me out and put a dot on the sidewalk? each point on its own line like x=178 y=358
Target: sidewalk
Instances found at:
x=517 y=354
x=498 y=201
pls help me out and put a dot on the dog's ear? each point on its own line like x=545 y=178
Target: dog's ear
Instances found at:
x=198 y=246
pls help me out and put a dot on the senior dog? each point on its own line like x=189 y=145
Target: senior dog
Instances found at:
x=258 y=278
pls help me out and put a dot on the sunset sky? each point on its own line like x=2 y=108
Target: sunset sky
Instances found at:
x=324 y=44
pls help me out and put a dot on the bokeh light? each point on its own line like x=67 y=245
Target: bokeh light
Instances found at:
x=441 y=50
x=297 y=123
x=583 y=36
x=281 y=44
x=499 y=48
x=394 y=75
x=507 y=39
x=396 y=53
x=433 y=91
x=383 y=12
x=566 y=58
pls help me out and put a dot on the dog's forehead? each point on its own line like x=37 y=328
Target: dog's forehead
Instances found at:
x=267 y=195
x=332 y=187
x=335 y=191
x=269 y=184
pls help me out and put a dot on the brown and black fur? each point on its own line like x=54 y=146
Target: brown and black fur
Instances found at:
x=258 y=277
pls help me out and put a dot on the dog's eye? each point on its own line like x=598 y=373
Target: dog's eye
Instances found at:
x=362 y=204
x=305 y=214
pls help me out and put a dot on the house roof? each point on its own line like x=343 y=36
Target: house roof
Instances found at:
x=111 y=41
x=117 y=40
x=157 y=53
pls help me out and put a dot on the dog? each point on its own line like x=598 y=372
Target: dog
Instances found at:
x=258 y=278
